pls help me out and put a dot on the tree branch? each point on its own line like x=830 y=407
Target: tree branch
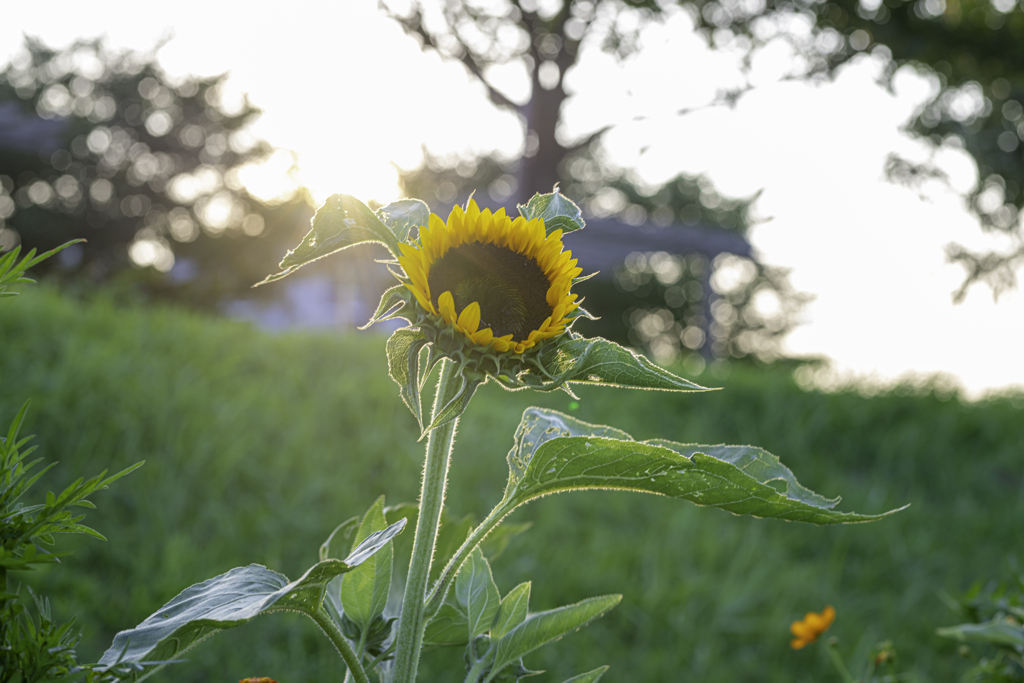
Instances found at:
x=413 y=25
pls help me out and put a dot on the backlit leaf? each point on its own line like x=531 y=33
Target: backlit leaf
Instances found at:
x=545 y=627
x=555 y=452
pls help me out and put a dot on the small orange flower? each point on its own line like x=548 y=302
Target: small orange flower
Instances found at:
x=812 y=626
x=257 y=680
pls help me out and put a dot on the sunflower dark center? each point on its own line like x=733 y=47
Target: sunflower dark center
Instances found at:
x=510 y=288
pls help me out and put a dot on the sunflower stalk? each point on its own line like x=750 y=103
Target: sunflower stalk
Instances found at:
x=435 y=479
x=435 y=599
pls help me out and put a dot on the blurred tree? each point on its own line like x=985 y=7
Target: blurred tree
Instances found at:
x=638 y=305
x=105 y=146
x=973 y=49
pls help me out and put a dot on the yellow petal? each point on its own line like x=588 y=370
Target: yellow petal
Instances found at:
x=554 y=294
x=482 y=337
x=469 y=319
x=424 y=301
x=446 y=307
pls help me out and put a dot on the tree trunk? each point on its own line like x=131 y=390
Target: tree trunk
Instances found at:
x=538 y=172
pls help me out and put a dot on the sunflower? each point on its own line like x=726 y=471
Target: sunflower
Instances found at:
x=502 y=283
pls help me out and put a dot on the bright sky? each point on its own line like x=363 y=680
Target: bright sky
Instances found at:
x=353 y=97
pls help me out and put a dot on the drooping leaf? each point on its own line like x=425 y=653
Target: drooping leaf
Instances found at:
x=545 y=627
x=512 y=611
x=229 y=600
x=578 y=360
x=477 y=593
x=589 y=677
x=403 y=350
x=364 y=590
x=757 y=463
x=558 y=212
x=554 y=452
x=404 y=215
x=390 y=306
x=995 y=632
x=341 y=222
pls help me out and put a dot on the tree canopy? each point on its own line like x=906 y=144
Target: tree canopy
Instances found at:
x=972 y=49
x=145 y=167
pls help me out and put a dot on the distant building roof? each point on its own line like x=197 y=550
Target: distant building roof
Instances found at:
x=606 y=242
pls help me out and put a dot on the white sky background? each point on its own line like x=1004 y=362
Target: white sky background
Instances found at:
x=352 y=96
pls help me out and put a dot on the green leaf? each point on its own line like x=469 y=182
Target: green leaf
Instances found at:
x=589 y=677
x=558 y=212
x=477 y=594
x=404 y=215
x=391 y=303
x=554 y=452
x=457 y=406
x=341 y=222
x=579 y=360
x=230 y=600
x=512 y=611
x=364 y=590
x=545 y=627
x=995 y=632
x=758 y=464
x=403 y=349
x=11 y=270
x=449 y=627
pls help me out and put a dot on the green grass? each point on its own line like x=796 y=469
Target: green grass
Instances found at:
x=258 y=445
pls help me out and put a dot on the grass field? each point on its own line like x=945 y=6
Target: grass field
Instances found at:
x=257 y=445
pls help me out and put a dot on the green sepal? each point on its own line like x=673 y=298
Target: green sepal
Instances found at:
x=558 y=212
x=455 y=407
x=364 y=590
x=554 y=452
x=343 y=221
x=403 y=350
x=544 y=627
x=404 y=215
x=589 y=677
x=477 y=594
x=229 y=600
x=994 y=632
x=390 y=307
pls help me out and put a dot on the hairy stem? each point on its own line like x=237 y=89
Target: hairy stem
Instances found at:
x=476 y=672
x=435 y=479
x=326 y=623
x=436 y=596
